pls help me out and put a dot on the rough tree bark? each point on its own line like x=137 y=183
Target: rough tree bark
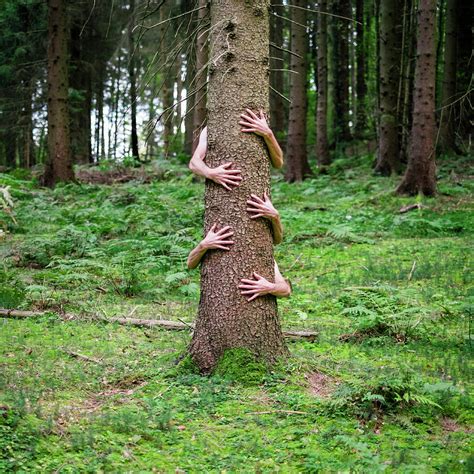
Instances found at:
x=297 y=166
x=322 y=146
x=446 y=133
x=226 y=319
x=388 y=152
x=202 y=58
x=132 y=78
x=59 y=165
x=420 y=176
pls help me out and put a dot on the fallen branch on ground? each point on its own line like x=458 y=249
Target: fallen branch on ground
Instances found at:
x=149 y=323
x=76 y=355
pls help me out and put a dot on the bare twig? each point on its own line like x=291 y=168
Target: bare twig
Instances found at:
x=79 y=356
x=280 y=94
x=286 y=412
x=412 y=271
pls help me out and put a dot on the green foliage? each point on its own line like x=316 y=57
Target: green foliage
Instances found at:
x=120 y=250
x=386 y=393
x=384 y=311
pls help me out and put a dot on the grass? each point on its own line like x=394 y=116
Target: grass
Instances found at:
x=385 y=389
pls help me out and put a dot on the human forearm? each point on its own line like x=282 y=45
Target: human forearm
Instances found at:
x=198 y=167
x=281 y=288
x=274 y=149
x=277 y=229
x=196 y=255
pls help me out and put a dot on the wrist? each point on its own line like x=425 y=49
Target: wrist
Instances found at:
x=202 y=246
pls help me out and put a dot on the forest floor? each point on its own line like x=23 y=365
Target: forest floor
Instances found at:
x=385 y=388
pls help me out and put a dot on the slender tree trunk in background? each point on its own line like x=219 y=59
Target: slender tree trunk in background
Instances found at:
x=202 y=58
x=408 y=75
x=420 y=176
x=168 y=112
x=322 y=146
x=103 y=75
x=189 y=118
x=463 y=125
x=296 y=154
x=10 y=149
x=361 y=86
x=226 y=320
x=447 y=121
x=116 y=104
x=177 y=100
x=133 y=86
x=277 y=64
x=59 y=165
x=440 y=38
x=341 y=53
x=388 y=153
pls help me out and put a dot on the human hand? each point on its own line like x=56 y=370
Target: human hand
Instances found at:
x=217 y=239
x=225 y=175
x=255 y=123
x=261 y=207
x=255 y=288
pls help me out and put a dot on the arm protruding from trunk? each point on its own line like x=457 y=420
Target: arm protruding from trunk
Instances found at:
x=257 y=124
x=264 y=208
x=260 y=286
x=224 y=175
x=215 y=239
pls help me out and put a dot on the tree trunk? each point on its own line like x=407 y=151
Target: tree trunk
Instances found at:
x=388 y=159
x=190 y=97
x=202 y=58
x=408 y=75
x=420 y=176
x=277 y=64
x=446 y=133
x=322 y=147
x=133 y=85
x=59 y=166
x=463 y=124
x=296 y=154
x=226 y=320
x=341 y=52
x=361 y=86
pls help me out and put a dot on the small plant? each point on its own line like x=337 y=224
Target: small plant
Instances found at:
x=388 y=393
x=380 y=311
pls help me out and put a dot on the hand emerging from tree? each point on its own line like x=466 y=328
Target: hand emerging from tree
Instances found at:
x=255 y=288
x=259 y=207
x=225 y=175
x=260 y=286
x=257 y=123
x=215 y=239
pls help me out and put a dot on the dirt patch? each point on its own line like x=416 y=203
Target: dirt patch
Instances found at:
x=452 y=426
x=321 y=385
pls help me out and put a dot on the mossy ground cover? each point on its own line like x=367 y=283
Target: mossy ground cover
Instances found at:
x=384 y=389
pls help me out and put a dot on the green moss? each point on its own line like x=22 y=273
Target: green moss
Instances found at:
x=240 y=365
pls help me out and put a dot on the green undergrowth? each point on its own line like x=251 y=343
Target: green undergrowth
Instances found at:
x=385 y=388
